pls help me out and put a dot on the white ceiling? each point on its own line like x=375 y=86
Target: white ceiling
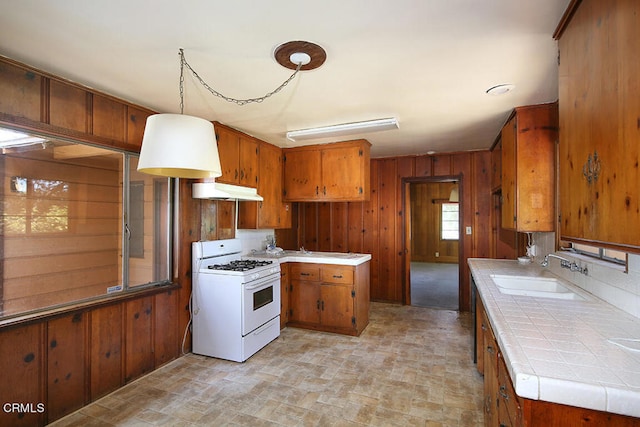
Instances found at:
x=426 y=62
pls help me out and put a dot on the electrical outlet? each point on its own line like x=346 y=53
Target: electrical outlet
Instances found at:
x=531 y=251
x=468 y=230
x=437 y=254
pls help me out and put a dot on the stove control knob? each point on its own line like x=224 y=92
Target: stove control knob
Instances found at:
x=254 y=276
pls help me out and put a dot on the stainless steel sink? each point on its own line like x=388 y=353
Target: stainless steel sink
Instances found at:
x=544 y=287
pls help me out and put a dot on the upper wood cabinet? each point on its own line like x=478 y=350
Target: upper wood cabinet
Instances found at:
x=528 y=168
x=238 y=156
x=599 y=98
x=328 y=172
x=34 y=100
x=272 y=212
x=496 y=165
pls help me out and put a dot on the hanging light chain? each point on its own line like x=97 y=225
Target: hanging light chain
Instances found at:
x=184 y=63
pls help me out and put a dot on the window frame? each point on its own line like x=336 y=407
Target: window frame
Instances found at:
x=442 y=221
x=166 y=209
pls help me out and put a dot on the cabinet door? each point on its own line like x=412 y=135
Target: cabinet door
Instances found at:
x=336 y=305
x=270 y=186
x=302 y=175
x=599 y=99
x=284 y=294
x=229 y=152
x=20 y=92
x=248 y=162
x=342 y=173
x=496 y=166
x=490 y=358
x=305 y=302
x=508 y=166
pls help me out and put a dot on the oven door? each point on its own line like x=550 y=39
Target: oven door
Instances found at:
x=260 y=302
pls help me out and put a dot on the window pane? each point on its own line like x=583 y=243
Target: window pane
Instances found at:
x=64 y=235
x=61 y=234
x=449 y=221
x=148 y=227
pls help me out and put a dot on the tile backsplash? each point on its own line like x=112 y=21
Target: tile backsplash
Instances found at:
x=253 y=239
x=607 y=281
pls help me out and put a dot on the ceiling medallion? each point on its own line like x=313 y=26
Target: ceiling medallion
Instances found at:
x=293 y=53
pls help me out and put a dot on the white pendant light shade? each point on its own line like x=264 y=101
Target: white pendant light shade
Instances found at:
x=179 y=146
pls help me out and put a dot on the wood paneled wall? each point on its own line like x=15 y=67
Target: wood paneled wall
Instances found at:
x=60 y=361
x=376 y=226
x=426 y=215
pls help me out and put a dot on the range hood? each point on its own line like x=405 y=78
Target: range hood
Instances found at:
x=215 y=190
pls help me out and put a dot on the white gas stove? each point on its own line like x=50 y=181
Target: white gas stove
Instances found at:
x=236 y=302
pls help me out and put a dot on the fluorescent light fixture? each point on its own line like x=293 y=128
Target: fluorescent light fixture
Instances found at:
x=344 y=129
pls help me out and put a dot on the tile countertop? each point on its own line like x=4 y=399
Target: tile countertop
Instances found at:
x=559 y=350
x=337 y=258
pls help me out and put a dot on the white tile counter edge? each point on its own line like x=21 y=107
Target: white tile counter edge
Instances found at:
x=557 y=350
x=336 y=258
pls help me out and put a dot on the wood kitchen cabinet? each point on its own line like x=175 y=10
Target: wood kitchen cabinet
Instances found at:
x=503 y=408
x=496 y=165
x=238 y=156
x=272 y=212
x=328 y=172
x=528 y=168
x=332 y=298
x=284 y=294
x=599 y=99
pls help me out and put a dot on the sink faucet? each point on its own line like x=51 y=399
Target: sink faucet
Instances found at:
x=303 y=250
x=565 y=263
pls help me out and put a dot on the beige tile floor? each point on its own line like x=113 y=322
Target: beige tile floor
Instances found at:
x=411 y=366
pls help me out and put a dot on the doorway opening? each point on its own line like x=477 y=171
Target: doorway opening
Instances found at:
x=433 y=244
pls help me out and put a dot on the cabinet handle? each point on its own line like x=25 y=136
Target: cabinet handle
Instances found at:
x=305 y=274
x=490 y=349
x=483 y=327
x=322 y=305
x=318 y=304
x=317 y=189
x=236 y=177
x=337 y=276
x=503 y=392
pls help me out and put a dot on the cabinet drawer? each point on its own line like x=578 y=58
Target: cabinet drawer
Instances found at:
x=305 y=272
x=337 y=275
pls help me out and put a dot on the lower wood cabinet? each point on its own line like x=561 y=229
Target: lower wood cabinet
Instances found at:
x=332 y=298
x=284 y=294
x=503 y=408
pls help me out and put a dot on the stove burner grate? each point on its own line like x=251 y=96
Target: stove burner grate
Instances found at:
x=240 y=265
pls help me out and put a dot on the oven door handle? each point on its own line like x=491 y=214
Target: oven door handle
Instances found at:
x=262 y=283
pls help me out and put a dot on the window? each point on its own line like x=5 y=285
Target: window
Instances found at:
x=611 y=255
x=78 y=222
x=449 y=221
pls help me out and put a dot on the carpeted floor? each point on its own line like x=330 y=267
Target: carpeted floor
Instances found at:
x=434 y=285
